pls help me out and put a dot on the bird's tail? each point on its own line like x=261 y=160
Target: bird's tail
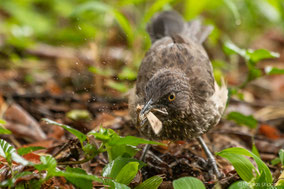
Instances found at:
x=170 y=23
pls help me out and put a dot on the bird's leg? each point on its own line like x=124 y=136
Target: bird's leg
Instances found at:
x=211 y=159
x=144 y=152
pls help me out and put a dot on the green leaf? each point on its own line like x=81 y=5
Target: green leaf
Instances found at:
x=242 y=119
x=134 y=141
x=78 y=182
x=193 y=9
x=82 y=137
x=188 y=183
x=127 y=173
x=79 y=115
x=151 y=183
x=9 y=153
x=275 y=161
x=260 y=54
x=244 y=167
x=113 y=168
x=2 y=122
x=115 y=151
x=269 y=70
x=156 y=6
x=121 y=87
x=125 y=25
x=281 y=156
x=260 y=181
x=240 y=185
x=108 y=134
x=94 y=6
x=34 y=184
x=101 y=7
x=103 y=72
x=230 y=48
x=250 y=55
x=21 y=185
x=127 y=73
x=119 y=146
x=100 y=136
x=48 y=163
x=233 y=8
x=103 y=134
x=21 y=174
x=114 y=185
x=77 y=176
x=4 y=131
x=254 y=150
x=268 y=10
x=26 y=150
x=90 y=149
x=126 y=146
x=253 y=73
x=280 y=182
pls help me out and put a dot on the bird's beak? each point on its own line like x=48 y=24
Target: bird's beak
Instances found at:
x=146 y=109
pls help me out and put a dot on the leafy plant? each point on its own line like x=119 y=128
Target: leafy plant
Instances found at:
x=101 y=7
x=252 y=57
x=252 y=176
x=122 y=167
x=118 y=173
x=117 y=146
x=9 y=153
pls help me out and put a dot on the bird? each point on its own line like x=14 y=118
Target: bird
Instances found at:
x=175 y=84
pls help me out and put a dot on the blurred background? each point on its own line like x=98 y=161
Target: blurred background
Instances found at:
x=77 y=46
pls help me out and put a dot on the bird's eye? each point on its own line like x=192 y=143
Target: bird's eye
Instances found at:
x=171 y=97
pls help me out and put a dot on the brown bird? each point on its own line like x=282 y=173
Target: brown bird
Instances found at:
x=175 y=84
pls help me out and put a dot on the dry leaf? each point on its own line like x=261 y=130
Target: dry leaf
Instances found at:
x=155 y=123
x=22 y=124
x=269 y=131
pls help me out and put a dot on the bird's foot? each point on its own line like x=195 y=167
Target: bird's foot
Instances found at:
x=211 y=160
x=213 y=166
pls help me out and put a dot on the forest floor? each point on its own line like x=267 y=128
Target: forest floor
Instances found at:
x=61 y=83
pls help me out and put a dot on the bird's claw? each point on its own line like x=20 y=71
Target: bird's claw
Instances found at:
x=212 y=164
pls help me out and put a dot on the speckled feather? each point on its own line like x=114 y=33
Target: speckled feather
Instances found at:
x=178 y=63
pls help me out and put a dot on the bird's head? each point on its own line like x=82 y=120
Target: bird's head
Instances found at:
x=167 y=94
